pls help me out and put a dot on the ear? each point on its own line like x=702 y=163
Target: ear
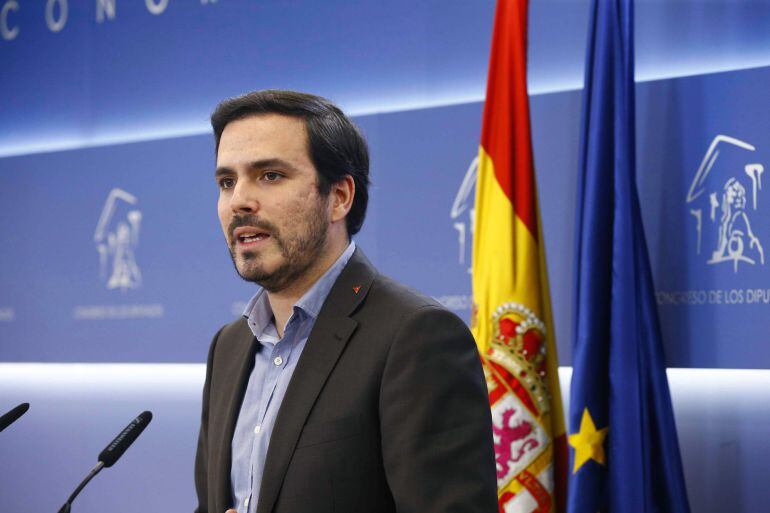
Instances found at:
x=342 y=194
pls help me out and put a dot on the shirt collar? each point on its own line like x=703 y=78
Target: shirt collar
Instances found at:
x=260 y=315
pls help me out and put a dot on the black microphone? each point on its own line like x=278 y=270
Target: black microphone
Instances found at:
x=13 y=415
x=112 y=453
x=123 y=441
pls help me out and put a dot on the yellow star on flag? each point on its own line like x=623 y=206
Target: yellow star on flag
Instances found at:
x=588 y=442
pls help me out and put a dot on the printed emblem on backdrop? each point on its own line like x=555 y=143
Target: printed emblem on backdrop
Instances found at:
x=116 y=239
x=462 y=218
x=462 y=213
x=724 y=202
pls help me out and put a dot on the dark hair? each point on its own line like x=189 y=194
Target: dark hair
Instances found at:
x=336 y=146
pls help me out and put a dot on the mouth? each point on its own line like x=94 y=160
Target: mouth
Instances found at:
x=249 y=236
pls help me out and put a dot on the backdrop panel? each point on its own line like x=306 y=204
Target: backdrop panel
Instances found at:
x=77 y=410
x=115 y=253
x=85 y=71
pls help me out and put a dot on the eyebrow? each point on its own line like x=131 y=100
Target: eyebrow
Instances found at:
x=256 y=166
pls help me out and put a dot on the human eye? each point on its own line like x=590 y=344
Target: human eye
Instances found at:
x=272 y=176
x=226 y=182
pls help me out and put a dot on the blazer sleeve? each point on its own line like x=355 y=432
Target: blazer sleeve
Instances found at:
x=436 y=424
x=202 y=454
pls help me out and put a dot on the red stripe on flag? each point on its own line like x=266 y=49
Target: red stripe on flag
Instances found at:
x=505 y=134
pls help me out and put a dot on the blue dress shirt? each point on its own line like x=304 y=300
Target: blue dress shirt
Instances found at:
x=274 y=365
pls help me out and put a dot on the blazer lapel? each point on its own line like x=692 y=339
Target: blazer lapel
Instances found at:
x=239 y=366
x=328 y=338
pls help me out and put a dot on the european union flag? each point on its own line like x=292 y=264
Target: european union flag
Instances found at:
x=625 y=454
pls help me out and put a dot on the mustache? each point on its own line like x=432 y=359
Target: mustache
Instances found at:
x=254 y=221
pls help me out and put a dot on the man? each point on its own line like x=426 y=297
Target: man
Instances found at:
x=340 y=389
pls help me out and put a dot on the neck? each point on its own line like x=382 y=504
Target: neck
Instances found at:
x=282 y=302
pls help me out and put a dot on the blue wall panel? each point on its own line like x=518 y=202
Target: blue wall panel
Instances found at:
x=78 y=409
x=140 y=75
x=68 y=305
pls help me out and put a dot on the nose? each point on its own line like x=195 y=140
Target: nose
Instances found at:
x=244 y=198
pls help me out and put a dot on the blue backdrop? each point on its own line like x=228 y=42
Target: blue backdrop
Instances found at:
x=157 y=294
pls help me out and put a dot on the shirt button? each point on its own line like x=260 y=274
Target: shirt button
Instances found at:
x=278 y=360
x=257 y=430
x=246 y=502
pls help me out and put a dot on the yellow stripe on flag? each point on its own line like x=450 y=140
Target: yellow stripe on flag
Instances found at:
x=505 y=255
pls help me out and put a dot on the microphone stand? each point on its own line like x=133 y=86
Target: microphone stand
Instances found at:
x=68 y=505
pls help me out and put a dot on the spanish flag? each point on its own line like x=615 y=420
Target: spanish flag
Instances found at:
x=512 y=319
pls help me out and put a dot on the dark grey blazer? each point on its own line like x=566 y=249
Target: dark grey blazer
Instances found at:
x=387 y=410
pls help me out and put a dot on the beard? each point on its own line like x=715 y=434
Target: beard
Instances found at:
x=298 y=251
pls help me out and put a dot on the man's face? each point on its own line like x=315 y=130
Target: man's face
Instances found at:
x=274 y=220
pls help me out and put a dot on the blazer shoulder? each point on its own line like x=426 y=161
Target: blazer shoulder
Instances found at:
x=402 y=301
x=387 y=300
x=389 y=287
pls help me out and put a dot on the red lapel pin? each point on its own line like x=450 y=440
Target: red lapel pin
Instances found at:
x=356 y=288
